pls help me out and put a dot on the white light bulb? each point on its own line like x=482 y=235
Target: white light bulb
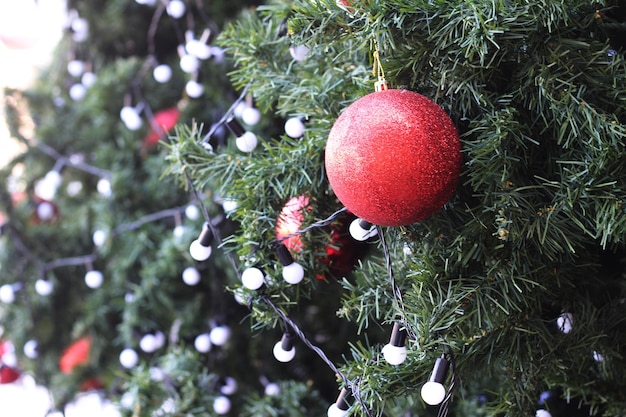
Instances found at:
x=282 y=355
x=127 y=112
x=189 y=63
x=159 y=338
x=433 y=393
x=53 y=178
x=199 y=252
x=299 y=52
x=129 y=358
x=229 y=387
x=191 y=276
x=219 y=335
x=30 y=349
x=239 y=108
x=156 y=374
x=217 y=53
x=394 y=355
x=7 y=294
x=80 y=36
x=334 y=411
x=199 y=49
x=252 y=278
x=179 y=231
x=75 y=67
x=127 y=400
x=162 y=73
x=202 y=343
x=77 y=92
x=272 y=389
x=194 y=89
x=94 y=279
x=104 y=187
x=242 y=297
x=131 y=118
x=246 y=142
x=74 y=188
x=293 y=273
x=221 y=405
x=359 y=233
x=294 y=128
x=148 y=343
x=251 y=116
x=167 y=408
x=88 y=79
x=45 y=189
x=45 y=211
x=229 y=204
x=176 y=9
x=43 y=287
x=80 y=26
x=10 y=359
x=565 y=322
x=99 y=237
x=542 y=413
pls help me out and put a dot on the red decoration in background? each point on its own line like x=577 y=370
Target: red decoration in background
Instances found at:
x=393 y=157
x=342 y=252
x=91 y=384
x=289 y=221
x=77 y=354
x=8 y=374
x=165 y=120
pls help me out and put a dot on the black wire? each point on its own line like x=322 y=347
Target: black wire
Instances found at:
x=319 y=223
x=226 y=115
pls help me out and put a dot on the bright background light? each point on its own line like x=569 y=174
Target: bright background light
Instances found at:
x=21 y=66
x=43 y=20
x=24 y=398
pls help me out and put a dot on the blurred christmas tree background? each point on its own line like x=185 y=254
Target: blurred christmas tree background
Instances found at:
x=177 y=237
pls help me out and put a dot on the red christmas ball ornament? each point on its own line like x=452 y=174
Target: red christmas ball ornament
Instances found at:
x=289 y=221
x=8 y=374
x=75 y=355
x=393 y=157
x=341 y=251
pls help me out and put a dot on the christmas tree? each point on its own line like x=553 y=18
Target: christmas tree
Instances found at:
x=375 y=208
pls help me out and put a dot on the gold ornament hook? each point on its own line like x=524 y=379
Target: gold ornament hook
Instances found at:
x=379 y=72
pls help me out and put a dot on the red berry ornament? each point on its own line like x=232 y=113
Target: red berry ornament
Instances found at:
x=164 y=121
x=75 y=355
x=393 y=157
